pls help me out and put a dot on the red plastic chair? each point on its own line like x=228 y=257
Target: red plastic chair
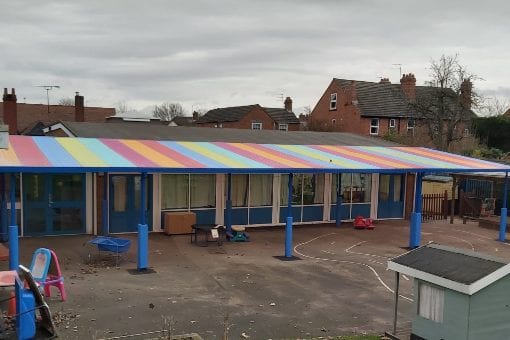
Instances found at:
x=55 y=278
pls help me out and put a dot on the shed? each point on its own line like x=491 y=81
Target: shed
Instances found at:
x=458 y=294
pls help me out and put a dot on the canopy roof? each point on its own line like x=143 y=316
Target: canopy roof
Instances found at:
x=49 y=154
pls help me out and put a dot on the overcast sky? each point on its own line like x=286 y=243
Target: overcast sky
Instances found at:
x=207 y=54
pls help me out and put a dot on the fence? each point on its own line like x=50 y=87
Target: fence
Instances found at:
x=435 y=206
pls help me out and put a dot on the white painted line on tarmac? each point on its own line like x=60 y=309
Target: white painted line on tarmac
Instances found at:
x=345 y=261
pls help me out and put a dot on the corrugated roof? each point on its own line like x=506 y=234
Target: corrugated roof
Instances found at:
x=128 y=130
x=48 y=154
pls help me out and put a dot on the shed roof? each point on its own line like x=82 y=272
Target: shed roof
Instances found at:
x=463 y=271
x=62 y=154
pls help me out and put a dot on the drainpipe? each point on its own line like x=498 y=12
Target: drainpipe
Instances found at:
x=143 y=230
x=503 y=217
x=288 y=225
x=415 y=230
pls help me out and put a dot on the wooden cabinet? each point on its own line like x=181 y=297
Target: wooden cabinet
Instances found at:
x=178 y=222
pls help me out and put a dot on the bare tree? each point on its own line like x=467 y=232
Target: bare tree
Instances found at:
x=66 y=101
x=168 y=111
x=444 y=108
x=121 y=108
x=494 y=106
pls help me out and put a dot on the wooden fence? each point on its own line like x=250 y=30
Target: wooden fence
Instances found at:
x=435 y=206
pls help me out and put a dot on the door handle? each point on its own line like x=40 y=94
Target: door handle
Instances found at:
x=50 y=202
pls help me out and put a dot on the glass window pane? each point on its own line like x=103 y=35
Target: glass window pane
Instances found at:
x=361 y=188
x=397 y=185
x=384 y=187
x=67 y=187
x=119 y=193
x=174 y=191
x=345 y=187
x=33 y=185
x=239 y=190
x=296 y=189
x=203 y=191
x=313 y=189
x=261 y=190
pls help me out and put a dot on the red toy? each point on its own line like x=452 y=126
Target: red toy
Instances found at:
x=363 y=223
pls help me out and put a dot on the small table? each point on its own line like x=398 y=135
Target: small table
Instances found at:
x=206 y=230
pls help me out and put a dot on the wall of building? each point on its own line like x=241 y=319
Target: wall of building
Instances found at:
x=455 y=317
x=489 y=308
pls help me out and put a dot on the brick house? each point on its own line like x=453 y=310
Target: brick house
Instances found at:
x=254 y=117
x=381 y=109
x=31 y=119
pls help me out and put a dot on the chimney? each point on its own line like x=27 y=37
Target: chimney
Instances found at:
x=195 y=116
x=288 y=104
x=79 y=108
x=465 y=94
x=11 y=111
x=385 y=81
x=408 y=86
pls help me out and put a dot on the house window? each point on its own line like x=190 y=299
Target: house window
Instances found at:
x=466 y=132
x=430 y=302
x=256 y=126
x=374 y=126
x=332 y=102
x=283 y=127
x=393 y=123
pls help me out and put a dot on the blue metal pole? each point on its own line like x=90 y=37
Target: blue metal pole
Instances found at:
x=105 y=225
x=13 y=229
x=143 y=230
x=3 y=208
x=415 y=230
x=504 y=212
x=288 y=225
x=339 y=199
x=228 y=215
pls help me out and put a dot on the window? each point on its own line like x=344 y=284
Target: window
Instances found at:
x=256 y=126
x=307 y=189
x=410 y=125
x=261 y=190
x=332 y=102
x=239 y=190
x=393 y=123
x=430 y=302
x=466 y=132
x=355 y=188
x=283 y=127
x=202 y=191
x=374 y=126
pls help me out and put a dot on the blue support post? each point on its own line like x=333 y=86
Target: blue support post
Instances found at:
x=415 y=230
x=3 y=207
x=228 y=215
x=288 y=225
x=105 y=225
x=504 y=212
x=143 y=230
x=13 y=228
x=339 y=198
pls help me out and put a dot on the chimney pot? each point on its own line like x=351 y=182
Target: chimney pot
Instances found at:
x=408 y=86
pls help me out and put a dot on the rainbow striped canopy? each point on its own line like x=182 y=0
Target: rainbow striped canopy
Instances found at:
x=49 y=154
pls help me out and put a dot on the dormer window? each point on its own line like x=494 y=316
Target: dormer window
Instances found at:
x=332 y=102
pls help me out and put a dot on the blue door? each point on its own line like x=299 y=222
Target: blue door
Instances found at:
x=54 y=204
x=391 y=196
x=125 y=199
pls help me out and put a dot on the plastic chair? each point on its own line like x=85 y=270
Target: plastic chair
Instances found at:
x=44 y=261
x=40 y=265
x=55 y=278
